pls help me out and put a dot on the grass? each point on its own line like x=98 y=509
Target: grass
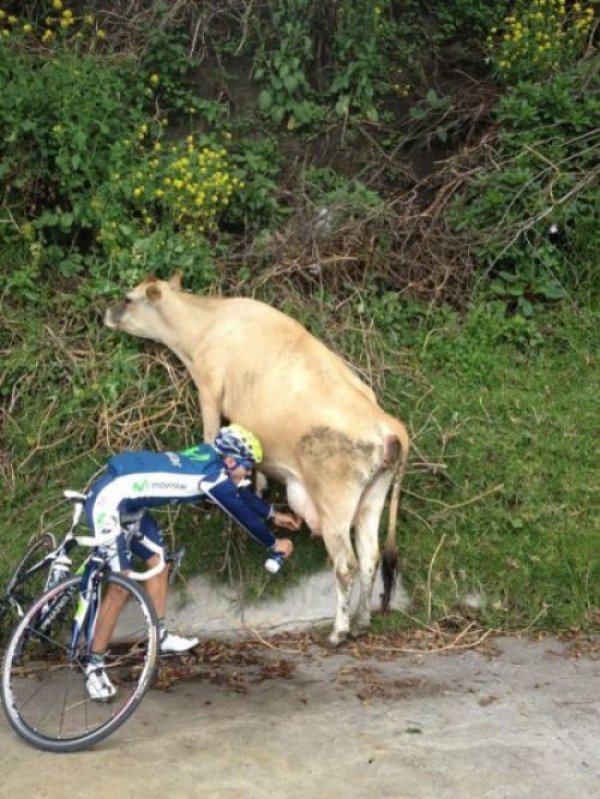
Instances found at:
x=515 y=535
x=510 y=536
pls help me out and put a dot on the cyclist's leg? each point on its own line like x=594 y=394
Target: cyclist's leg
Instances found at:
x=101 y=512
x=157 y=588
x=113 y=600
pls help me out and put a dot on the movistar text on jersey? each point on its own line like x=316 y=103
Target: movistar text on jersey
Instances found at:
x=169 y=486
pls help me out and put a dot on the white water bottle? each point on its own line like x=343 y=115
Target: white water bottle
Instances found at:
x=274 y=562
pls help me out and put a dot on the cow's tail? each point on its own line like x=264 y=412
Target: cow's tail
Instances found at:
x=389 y=562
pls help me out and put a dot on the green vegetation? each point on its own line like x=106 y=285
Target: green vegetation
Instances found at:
x=515 y=529
x=417 y=186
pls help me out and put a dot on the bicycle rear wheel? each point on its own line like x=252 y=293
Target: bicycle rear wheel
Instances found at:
x=22 y=587
x=43 y=685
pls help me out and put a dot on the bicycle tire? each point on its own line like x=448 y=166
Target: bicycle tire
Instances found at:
x=43 y=687
x=25 y=591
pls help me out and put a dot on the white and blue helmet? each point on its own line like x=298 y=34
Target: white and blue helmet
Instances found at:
x=239 y=443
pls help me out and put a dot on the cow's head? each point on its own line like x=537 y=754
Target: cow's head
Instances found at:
x=139 y=314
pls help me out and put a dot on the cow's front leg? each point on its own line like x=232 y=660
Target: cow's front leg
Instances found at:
x=210 y=408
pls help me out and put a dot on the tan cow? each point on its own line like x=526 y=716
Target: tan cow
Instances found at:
x=324 y=435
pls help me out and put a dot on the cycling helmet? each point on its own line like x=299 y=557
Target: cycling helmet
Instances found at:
x=238 y=443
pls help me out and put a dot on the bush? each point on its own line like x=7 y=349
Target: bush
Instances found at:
x=531 y=208
x=540 y=37
x=59 y=120
x=93 y=183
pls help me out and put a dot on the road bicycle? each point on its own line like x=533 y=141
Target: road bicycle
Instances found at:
x=43 y=685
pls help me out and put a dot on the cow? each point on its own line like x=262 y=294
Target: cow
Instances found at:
x=323 y=434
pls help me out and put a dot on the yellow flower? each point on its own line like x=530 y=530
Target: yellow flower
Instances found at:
x=88 y=19
x=154 y=79
x=27 y=28
x=47 y=36
x=138 y=191
x=101 y=35
x=67 y=14
x=57 y=4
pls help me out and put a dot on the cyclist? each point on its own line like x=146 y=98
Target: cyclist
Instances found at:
x=136 y=481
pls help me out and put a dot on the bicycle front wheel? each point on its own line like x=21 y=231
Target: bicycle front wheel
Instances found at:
x=43 y=681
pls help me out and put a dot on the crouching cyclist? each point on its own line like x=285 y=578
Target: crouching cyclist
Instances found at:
x=136 y=481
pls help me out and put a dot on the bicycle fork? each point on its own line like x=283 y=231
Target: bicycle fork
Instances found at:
x=88 y=607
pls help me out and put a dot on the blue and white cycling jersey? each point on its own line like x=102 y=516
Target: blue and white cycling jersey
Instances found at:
x=135 y=481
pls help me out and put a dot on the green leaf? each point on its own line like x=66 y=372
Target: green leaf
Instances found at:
x=265 y=100
x=66 y=221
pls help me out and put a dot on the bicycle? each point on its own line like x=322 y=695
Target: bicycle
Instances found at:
x=43 y=691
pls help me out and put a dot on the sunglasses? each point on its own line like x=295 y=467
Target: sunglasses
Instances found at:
x=248 y=465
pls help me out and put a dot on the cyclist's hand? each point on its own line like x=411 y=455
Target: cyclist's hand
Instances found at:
x=288 y=521
x=285 y=546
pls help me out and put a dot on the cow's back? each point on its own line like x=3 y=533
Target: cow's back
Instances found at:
x=269 y=360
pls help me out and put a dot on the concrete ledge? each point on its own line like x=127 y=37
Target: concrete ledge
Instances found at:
x=210 y=608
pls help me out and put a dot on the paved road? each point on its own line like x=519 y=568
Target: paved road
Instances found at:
x=285 y=718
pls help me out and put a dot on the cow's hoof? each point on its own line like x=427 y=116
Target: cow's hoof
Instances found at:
x=335 y=640
x=360 y=626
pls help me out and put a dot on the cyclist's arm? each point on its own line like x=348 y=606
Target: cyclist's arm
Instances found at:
x=258 y=505
x=250 y=516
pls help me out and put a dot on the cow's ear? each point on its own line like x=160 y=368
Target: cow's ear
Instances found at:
x=175 y=281
x=153 y=292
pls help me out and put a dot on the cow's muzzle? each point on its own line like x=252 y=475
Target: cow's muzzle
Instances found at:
x=114 y=315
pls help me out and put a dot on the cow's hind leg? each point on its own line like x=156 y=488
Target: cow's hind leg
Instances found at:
x=367 y=545
x=339 y=547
